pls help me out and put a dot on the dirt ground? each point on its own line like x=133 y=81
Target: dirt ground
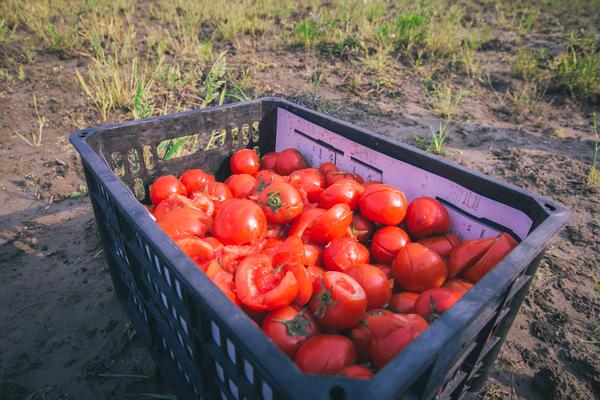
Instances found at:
x=64 y=336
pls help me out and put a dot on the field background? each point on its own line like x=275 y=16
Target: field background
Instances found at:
x=509 y=88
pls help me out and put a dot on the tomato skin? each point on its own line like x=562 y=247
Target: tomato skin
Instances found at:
x=280 y=202
x=165 y=186
x=265 y=177
x=185 y=220
x=222 y=279
x=345 y=191
x=197 y=249
x=387 y=242
x=240 y=221
x=203 y=203
x=383 y=204
x=356 y=372
x=416 y=268
x=260 y=286
x=312 y=254
x=325 y=355
x=173 y=201
x=361 y=335
x=342 y=253
x=361 y=228
x=458 y=286
x=443 y=245
x=269 y=160
x=330 y=225
x=426 y=216
x=339 y=304
x=288 y=328
x=315 y=274
x=332 y=177
x=375 y=284
x=241 y=185
x=443 y=299
x=310 y=181
x=327 y=167
x=305 y=221
x=244 y=161
x=472 y=259
x=195 y=180
x=403 y=302
x=391 y=334
x=218 y=192
x=289 y=160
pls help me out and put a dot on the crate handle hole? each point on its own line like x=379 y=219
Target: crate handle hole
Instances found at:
x=549 y=207
x=337 y=393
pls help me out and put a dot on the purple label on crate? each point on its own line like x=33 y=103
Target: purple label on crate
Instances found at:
x=472 y=215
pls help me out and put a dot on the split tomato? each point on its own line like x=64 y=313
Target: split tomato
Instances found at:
x=308 y=181
x=433 y=302
x=375 y=284
x=185 y=220
x=325 y=355
x=383 y=204
x=443 y=245
x=342 y=253
x=361 y=228
x=165 y=186
x=345 y=191
x=416 y=268
x=195 y=180
x=387 y=242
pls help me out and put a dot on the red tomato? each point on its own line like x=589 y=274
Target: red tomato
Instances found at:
x=265 y=177
x=289 y=255
x=173 y=201
x=387 y=242
x=316 y=275
x=288 y=328
x=375 y=284
x=203 y=203
x=276 y=231
x=327 y=167
x=361 y=335
x=269 y=160
x=304 y=221
x=281 y=202
x=416 y=268
x=165 y=186
x=290 y=160
x=260 y=286
x=472 y=259
x=195 y=180
x=356 y=372
x=342 y=253
x=404 y=302
x=185 y=220
x=433 y=302
x=361 y=228
x=458 y=286
x=391 y=334
x=383 y=204
x=325 y=355
x=197 y=249
x=244 y=161
x=310 y=181
x=223 y=280
x=330 y=225
x=231 y=255
x=339 y=304
x=443 y=245
x=218 y=192
x=343 y=191
x=426 y=216
x=241 y=185
x=333 y=176
x=312 y=254
x=240 y=221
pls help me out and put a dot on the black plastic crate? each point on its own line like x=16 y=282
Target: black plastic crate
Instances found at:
x=205 y=346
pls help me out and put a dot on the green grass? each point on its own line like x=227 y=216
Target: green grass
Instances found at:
x=436 y=143
x=579 y=68
x=593 y=177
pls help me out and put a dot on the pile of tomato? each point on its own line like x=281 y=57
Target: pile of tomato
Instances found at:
x=339 y=273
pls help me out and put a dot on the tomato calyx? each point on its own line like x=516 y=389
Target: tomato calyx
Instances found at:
x=297 y=325
x=262 y=184
x=325 y=300
x=434 y=312
x=357 y=232
x=274 y=201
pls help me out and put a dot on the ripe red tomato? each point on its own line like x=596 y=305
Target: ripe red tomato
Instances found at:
x=327 y=167
x=289 y=255
x=391 y=334
x=383 y=204
x=304 y=221
x=195 y=180
x=433 y=302
x=265 y=177
x=197 y=249
x=458 y=286
x=472 y=259
x=342 y=253
x=361 y=228
x=165 y=186
x=325 y=355
x=269 y=160
x=241 y=185
x=173 y=201
x=416 y=268
x=244 y=161
x=290 y=160
x=218 y=192
x=387 y=242
x=333 y=176
x=309 y=181
x=343 y=191
x=375 y=284
x=312 y=254
x=281 y=202
x=328 y=225
x=185 y=220
x=315 y=274
x=288 y=328
x=339 y=304
x=260 y=286
x=443 y=245
x=426 y=216
x=240 y=221
x=356 y=372
x=404 y=302
x=361 y=335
